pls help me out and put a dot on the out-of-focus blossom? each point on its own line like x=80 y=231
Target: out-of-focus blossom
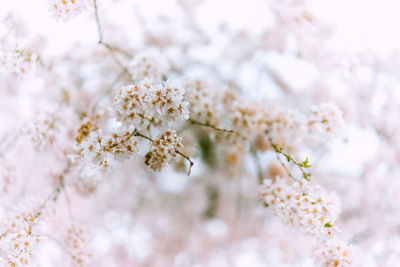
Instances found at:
x=66 y=9
x=149 y=63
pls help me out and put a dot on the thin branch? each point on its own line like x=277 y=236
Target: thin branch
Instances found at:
x=136 y=133
x=106 y=92
x=286 y=168
x=109 y=47
x=53 y=196
x=210 y=126
x=68 y=201
x=258 y=165
x=96 y=13
x=57 y=191
x=117 y=49
x=279 y=81
x=118 y=62
x=289 y=158
x=188 y=159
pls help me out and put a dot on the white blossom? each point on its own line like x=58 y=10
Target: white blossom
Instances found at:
x=143 y=103
x=168 y=101
x=22 y=245
x=334 y=253
x=19 y=236
x=17 y=61
x=163 y=150
x=76 y=245
x=66 y=9
x=205 y=104
x=302 y=204
x=149 y=63
x=326 y=119
x=106 y=150
x=132 y=105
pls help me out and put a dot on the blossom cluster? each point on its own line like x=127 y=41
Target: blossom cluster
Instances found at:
x=326 y=119
x=163 y=150
x=334 y=253
x=109 y=117
x=149 y=63
x=19 y=238
x=21 y=248
x=151 y=103
x=6 y=179
x=105 y=150
x=18 y=55
x=76 y=240
x=302 y=204
x=17 y=61
x=205 y=103
x=48 y=128
x=43 y=131
x=67 y=9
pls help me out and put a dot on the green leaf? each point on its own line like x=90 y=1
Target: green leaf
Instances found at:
x=20 y=52
x=328 y=225
x=306 y=176
x=305 y=163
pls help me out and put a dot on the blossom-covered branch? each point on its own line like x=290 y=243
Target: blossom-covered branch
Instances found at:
x=302 y=165
x=108 y=106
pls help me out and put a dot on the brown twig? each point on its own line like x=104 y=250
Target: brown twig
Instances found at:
x=137 y=133
x=188 y=159
x=205 y=124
